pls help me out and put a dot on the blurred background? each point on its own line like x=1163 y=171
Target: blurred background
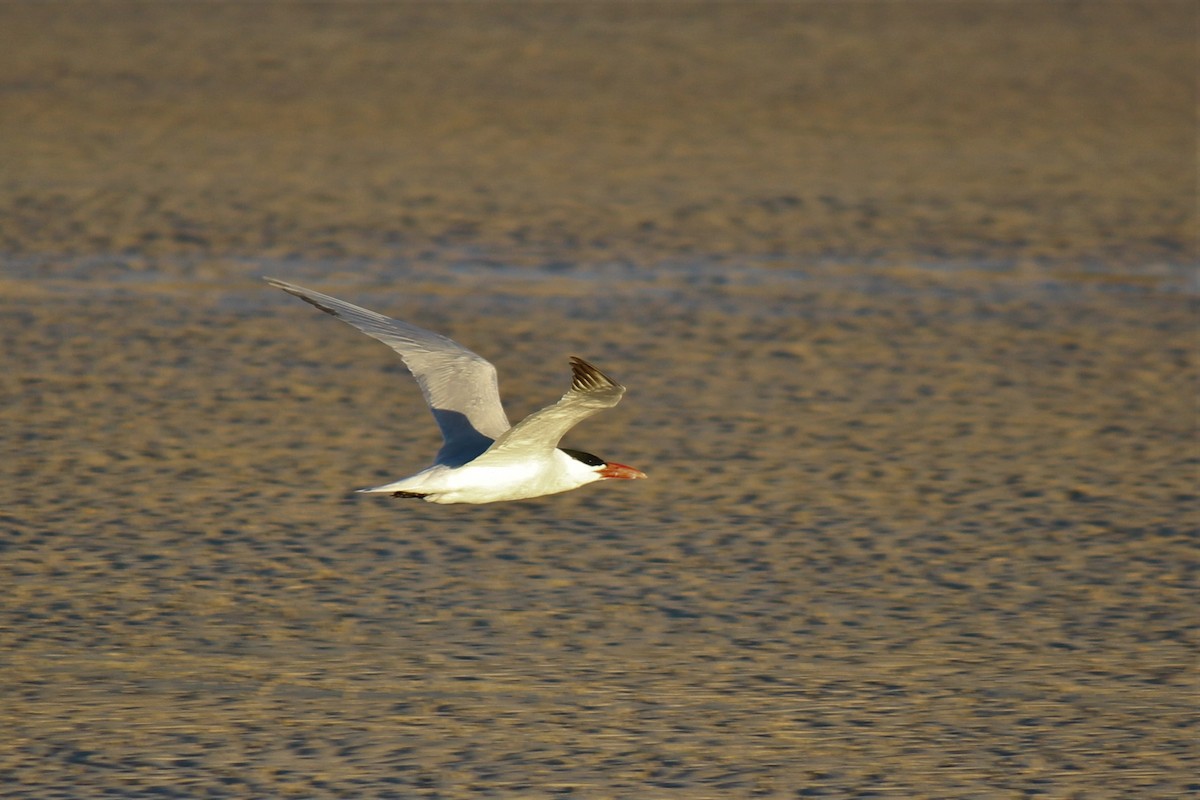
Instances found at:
x=905 y=298
x=994 y=132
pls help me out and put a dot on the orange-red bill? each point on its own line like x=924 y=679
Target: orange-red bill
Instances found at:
x=620 y=471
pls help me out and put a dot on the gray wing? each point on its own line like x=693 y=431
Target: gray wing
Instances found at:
x=591 y=392
x=459 y=385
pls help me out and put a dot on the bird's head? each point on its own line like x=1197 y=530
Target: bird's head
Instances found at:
x=593 y=468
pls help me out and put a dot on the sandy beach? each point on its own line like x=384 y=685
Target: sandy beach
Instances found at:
x=904 y=297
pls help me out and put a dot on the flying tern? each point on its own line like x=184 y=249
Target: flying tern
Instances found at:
x=484 y=459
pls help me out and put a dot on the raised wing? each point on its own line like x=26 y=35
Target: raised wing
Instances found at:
x=591 y=392
x=459 y=385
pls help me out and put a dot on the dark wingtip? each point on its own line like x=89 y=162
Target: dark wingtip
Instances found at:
x=585 y=377
x=298 y=291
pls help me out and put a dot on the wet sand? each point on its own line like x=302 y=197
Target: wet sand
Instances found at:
x=902 y=297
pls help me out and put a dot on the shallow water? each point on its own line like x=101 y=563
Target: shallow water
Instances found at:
x=905 y=300
x=936 y=539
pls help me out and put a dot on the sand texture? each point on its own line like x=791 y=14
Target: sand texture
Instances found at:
x=903 y=294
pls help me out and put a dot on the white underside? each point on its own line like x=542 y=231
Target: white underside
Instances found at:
x=491 y=480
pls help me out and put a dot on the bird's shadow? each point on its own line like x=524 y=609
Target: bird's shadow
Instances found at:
x=463 y=442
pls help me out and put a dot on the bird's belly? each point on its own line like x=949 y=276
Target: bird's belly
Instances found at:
x=490 y=484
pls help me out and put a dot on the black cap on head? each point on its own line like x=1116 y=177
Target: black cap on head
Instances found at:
x=586 y=458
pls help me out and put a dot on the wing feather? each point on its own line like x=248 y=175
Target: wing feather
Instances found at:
x=459 y=385
x=591 y=392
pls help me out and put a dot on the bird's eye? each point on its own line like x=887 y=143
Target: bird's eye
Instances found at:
x=586 y=458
